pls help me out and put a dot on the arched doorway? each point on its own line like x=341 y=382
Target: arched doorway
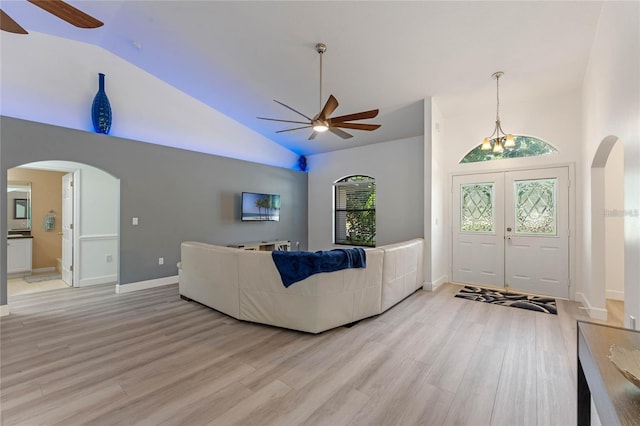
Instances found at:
x=607 y=228
x=86 y=221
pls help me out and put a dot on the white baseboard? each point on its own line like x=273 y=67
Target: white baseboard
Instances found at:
x=104 y=279
x=143 y=285
x=595 y=313
x=433 y=286
x=4 y=310
x=615 y=295
x=41 y=270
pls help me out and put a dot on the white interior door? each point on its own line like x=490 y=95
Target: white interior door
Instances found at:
x=478 y=224
x=67 y=229
x=537 y=231
x=511 y=230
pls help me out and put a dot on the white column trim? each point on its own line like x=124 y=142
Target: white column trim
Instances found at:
x=4 y=310
x=595 y=313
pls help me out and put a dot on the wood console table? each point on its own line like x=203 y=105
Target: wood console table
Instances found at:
x=281 y=245
x=617 y=400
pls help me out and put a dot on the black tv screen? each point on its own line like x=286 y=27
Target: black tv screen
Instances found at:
x=257 y=207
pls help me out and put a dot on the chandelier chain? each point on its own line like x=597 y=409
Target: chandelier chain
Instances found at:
x=320 y=97
x=498 y=99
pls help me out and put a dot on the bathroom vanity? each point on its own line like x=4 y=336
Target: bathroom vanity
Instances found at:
x=19 y=253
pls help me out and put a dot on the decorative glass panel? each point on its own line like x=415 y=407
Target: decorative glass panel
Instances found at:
x=535 y=206
x=476 y=207
x=526 y=146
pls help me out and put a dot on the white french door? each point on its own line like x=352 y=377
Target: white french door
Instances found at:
x=67 y=229
x=511 y=230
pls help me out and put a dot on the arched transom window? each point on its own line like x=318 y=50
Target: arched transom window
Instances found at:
x=355 y=211
x=526 y=146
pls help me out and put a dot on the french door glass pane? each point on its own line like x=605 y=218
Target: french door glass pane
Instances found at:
x=535 y=206
x=476 y=207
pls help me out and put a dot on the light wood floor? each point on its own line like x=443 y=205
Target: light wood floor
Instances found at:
x=88 y=355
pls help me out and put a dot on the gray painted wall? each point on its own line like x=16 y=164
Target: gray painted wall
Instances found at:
x=177 y=195
x=397 y=167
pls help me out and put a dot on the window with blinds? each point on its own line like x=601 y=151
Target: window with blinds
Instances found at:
x=355 y=211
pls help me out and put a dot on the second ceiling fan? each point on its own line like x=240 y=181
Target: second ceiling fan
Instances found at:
x=323 y=121
x=58 y=8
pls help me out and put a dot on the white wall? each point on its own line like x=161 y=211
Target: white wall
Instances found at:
x=98 y=233
x=56 y=81
x=612 y=108
x=614 y=223
x=554 y=119
x=397 y=167
x=439 y=241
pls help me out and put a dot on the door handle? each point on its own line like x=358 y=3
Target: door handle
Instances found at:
x=60 y=233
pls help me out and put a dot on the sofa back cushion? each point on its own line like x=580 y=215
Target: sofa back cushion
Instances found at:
x=209 y=274
x=401 y=270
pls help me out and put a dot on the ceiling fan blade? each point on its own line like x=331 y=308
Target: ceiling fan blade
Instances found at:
x=341 y=133
x=9 y=25
x=356 y=126
x=295 y=128
x=283 y=121
x=313 y=135
x=68 y=13
x=288 y=107
x=329 y=107
x=357 y=116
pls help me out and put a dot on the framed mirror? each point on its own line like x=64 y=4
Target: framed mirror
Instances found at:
x=18 y=205
x=20 y=208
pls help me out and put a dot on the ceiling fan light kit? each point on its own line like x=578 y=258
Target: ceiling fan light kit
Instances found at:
x=323 y=121
x=498 y=140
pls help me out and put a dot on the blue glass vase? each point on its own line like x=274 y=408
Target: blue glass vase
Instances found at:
x=302 y=163
x=101 y=109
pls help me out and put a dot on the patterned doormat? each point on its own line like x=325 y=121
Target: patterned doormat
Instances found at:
x=505 y=298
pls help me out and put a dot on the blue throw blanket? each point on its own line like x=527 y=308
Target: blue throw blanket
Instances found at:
x=295 y=266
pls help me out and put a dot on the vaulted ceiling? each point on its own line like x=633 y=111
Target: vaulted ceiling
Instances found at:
x=238 y=56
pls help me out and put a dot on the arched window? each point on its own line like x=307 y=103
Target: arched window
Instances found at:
x=526 y=146
x=355 y=211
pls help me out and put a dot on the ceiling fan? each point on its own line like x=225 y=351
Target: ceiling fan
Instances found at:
x=62 y=10
x=322 y=121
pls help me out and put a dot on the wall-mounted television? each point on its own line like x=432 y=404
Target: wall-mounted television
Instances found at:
x=258 y=207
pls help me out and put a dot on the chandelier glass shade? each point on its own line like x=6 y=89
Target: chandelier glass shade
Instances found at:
x=498 y=140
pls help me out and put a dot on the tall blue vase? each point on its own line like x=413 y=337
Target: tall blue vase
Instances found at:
x=101 y=109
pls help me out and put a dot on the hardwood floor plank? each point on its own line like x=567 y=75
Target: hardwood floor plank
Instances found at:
x=480 y=381
x=91 y=356
x=241 y=413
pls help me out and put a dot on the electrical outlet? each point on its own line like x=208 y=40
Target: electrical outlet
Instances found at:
x=161 y=261
x=134 y=221
x=109 y=258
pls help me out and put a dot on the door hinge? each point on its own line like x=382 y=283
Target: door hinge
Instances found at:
x=71 y=183
x=71 y=226
x=71 y=268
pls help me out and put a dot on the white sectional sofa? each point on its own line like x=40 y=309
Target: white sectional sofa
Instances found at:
x=246 y=285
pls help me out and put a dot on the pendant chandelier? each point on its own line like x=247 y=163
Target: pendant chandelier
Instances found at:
x=498 y=140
